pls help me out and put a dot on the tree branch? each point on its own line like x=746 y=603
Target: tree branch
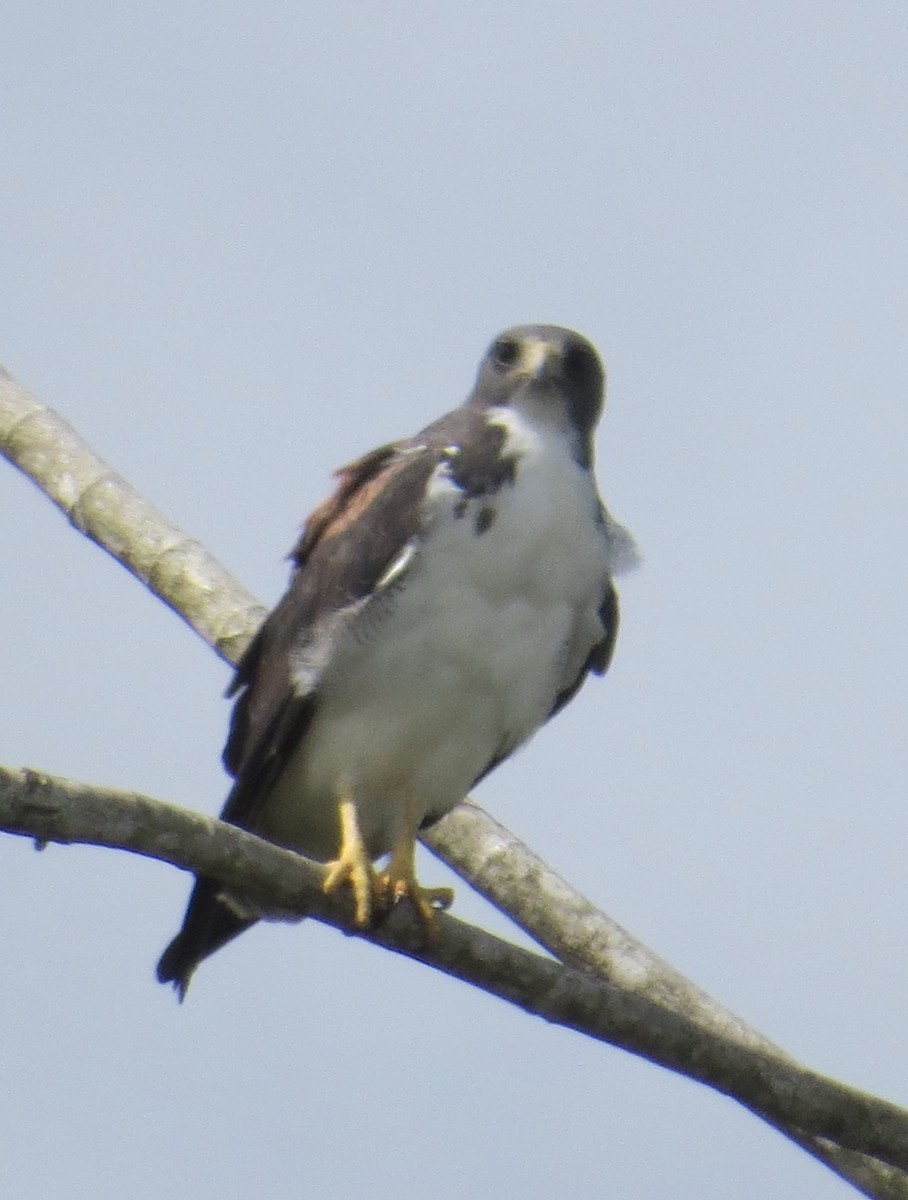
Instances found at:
x=635 y=1000
x=103 y=506
x=287 y=884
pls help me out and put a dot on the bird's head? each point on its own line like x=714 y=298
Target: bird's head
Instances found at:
x=550 y=374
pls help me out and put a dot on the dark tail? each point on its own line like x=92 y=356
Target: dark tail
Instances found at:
x=210 y=923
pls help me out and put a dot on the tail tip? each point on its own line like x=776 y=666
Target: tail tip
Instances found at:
x=173 y=968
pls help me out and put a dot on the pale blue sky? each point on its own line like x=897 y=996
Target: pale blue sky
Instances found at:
x=243 y=243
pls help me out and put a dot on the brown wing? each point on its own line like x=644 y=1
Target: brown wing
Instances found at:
x=355 y=481
x=345 y=549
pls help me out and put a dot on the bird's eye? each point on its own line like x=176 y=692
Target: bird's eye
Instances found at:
x=505 y=353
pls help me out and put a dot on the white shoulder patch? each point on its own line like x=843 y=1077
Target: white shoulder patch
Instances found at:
x=440 y=485
x=520 y=437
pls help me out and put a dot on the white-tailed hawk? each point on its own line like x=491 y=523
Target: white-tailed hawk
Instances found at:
x=450 y=596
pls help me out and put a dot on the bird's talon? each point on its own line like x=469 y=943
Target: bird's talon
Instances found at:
x=360 y=877
x=427 y=902
x=439 y=899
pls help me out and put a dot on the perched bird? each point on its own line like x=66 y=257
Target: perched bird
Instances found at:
x=450 y=596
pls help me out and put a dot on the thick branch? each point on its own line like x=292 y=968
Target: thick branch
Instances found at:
x=285 y=883
x=193 y=584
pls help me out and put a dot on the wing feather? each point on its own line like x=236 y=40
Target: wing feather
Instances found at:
x=347 y=545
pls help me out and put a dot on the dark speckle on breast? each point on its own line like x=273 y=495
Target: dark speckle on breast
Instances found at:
x=460 y=508
x=484 y=519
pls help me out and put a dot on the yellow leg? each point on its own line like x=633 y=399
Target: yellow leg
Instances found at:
x=398 y=880
x=353 y=866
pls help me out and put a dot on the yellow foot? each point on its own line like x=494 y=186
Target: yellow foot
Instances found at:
x=359 y=875
x=391 y=886
x=353 y=867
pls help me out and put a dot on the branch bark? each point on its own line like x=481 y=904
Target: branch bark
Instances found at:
x=611 y=987
x=289 y=885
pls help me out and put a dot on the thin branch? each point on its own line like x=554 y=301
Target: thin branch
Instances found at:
x=181 y=572
x=103 y=506
x=285 y=883
x=513 y=878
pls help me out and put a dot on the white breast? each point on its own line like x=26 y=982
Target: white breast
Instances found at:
x=462 y=659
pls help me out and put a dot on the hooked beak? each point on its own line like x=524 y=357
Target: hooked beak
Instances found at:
x=540 y=361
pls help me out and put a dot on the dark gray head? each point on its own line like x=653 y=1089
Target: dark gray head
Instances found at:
x=549 y=371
